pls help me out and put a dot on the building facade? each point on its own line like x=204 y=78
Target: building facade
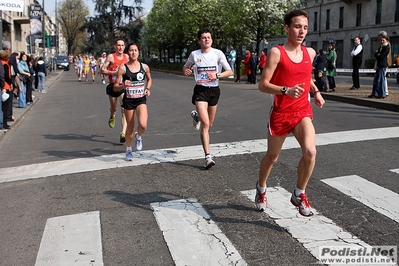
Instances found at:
x=17 y=30
x=342 y=20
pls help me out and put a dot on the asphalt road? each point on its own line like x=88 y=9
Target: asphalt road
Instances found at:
x=70 y=123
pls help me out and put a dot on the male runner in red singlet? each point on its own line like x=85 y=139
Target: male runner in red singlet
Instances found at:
x=110 y=68
x=288 y=78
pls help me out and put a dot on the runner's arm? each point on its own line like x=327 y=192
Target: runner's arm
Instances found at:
x=273 y=58
x=119 y=85
x=149 y=80
x=104 y=69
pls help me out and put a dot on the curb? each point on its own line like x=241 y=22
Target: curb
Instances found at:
x=389 y=106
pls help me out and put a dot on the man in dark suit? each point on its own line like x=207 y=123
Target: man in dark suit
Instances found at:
x=357 y=54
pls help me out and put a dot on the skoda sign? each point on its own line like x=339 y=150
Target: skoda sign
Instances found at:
x=12 y=5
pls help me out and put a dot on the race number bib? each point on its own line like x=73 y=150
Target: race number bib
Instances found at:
x=135 y=90
x=203 y=72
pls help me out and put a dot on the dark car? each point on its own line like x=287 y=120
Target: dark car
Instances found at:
x=62 y=62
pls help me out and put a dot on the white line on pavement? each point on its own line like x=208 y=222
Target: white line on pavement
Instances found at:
x=372 y=195
x=180 y=154
x=312 y=232
x=395 y=170
x=71 y=240
x=193 y=239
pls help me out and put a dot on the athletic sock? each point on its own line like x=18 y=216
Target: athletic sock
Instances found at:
x=261 y=189
x=298 y=192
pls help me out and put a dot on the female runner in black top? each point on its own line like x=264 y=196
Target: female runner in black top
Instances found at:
x=135 y=78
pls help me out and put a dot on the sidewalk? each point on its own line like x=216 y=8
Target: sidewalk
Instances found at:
x=19 y=113
x=359 y=97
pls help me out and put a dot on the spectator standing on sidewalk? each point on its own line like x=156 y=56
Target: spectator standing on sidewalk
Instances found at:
x=357 y=54
x=320 y=62
x=15 y=82
x=254 y=66
x=2 y=90
x=23 y=69
x=232 y=59
x=288 y=78
x=41 y=74
x=262 y=61
x=6 y=86
x=29 y=85
x=206 y=64
x=331 y=70
x=238 y=67
x=381 y=57
x=247 y=66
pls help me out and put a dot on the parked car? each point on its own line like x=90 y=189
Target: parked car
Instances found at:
x=62 y=62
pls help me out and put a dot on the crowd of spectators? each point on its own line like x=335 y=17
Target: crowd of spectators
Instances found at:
x=20 y=74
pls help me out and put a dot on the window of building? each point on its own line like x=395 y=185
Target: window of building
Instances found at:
x=327 y=19
x=378 y=14
x=397 y=11
x=359 y=14
x=341 y=17
x=315 y=21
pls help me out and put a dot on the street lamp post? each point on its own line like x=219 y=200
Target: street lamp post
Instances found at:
x=56 y=29
x=43 y=29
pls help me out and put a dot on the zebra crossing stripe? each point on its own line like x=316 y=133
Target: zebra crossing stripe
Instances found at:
x=81 y=165
x=312 y=232
x=372 y=195
x=71 y=240
x=192 y=237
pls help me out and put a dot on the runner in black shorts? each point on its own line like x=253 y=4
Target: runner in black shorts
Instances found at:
x=109 y=90
x=110 y=68
x=206 y=94
x=206 y=64
x=134 y=75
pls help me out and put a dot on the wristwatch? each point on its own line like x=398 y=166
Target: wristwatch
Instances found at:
x=217 y=75
x=283 y=90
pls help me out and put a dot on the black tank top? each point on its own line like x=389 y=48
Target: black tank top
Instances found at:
x=137 y=79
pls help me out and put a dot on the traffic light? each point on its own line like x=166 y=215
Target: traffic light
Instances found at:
x=48 y=41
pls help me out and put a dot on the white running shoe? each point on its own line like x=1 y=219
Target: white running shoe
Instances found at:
x=303 y=204
x=129 y=155
x=139 y=142
x=196 y=122
x=260 y=200
x=209 y=162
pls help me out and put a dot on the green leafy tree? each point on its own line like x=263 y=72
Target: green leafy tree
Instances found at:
x=114 y=19
x=172 y=25
x=267 y=17
x=71 y=17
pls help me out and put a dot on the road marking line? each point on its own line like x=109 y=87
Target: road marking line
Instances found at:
x=395 y=170
x=372 y=195
x=192 y=237
x=312 y=232
x=181 y=154
x=71 y=240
